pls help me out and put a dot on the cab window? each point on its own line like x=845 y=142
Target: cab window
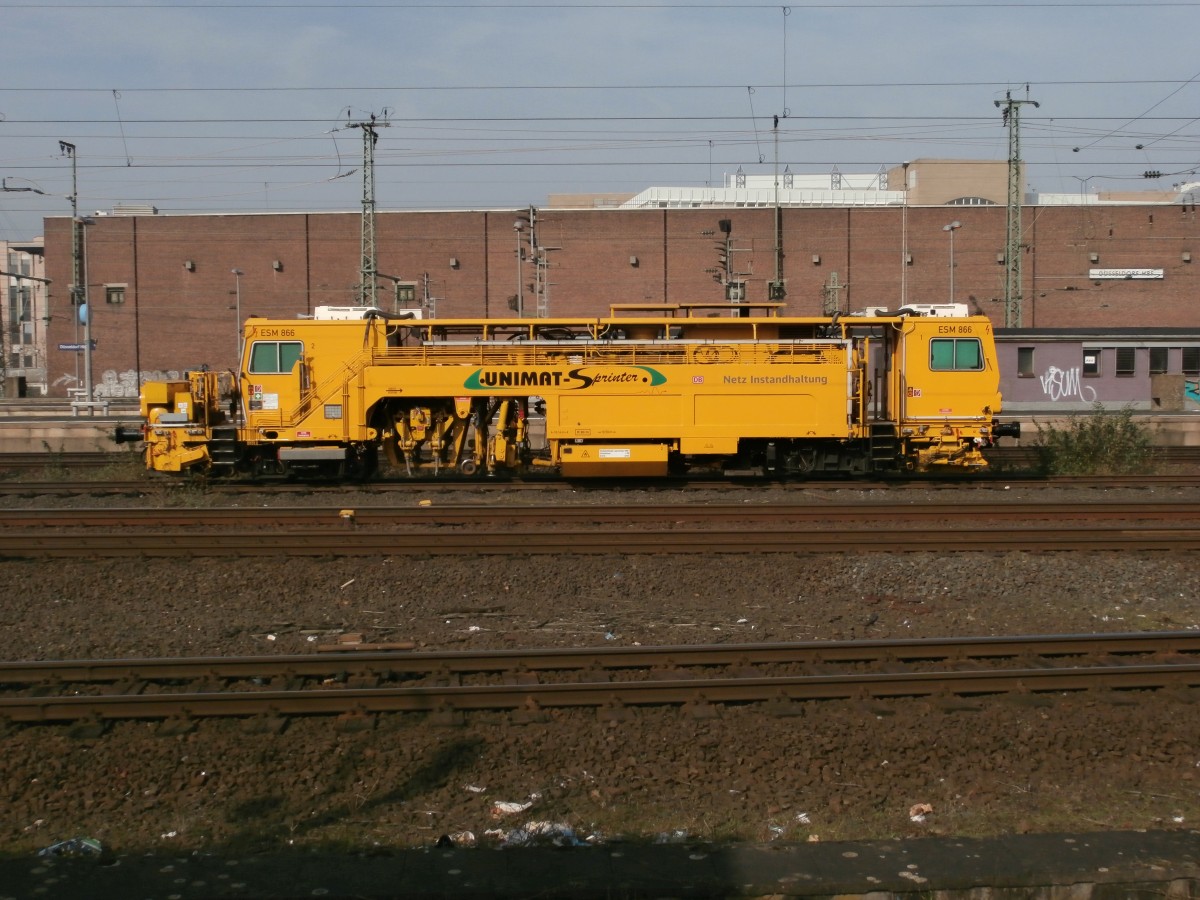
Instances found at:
x=274 y=357
x=956 y=354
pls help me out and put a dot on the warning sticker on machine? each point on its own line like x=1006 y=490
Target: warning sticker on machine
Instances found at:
x=611 y=453
x=260 y=401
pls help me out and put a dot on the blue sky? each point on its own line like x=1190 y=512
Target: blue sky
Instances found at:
x=209 y=106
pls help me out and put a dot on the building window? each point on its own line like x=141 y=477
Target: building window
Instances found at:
x=1191 y=360
x=1025 y=362
x=1158 y=360
x=955 y=354
x=114 y=293
x=1091 y=362
x=1126 y=361
x=406 y=293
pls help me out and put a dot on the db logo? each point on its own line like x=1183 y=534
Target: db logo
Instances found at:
x=697 y=379
x=914 y=392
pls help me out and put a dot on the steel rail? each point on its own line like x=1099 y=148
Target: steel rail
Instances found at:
x=461 y=514
x=798 y=538
x=531 y=697
x=35 y=459
x=359 y=663
x=52 y=459
x=980 y=481
x=169 y=485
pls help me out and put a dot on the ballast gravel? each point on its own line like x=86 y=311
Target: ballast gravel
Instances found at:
x=834 y=771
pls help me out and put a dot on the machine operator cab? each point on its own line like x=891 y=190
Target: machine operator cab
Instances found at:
x=950 y=377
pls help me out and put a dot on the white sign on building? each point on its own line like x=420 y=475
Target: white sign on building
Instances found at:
x=1097 y=274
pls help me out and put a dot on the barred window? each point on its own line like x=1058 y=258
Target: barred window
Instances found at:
x=1158 y=360
x=1191 y=360
x=1126 y=361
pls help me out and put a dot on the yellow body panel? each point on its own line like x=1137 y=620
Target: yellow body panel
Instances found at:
x=158 y=393
x=612 y=460
x=626 y=395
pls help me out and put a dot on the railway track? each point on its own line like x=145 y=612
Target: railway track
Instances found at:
x=568 y=541
x=461 y=514
x=582 y=529
x=991 y=481
x=361 y=684
x=66 y=459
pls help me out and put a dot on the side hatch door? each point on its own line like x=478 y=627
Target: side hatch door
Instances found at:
x=273 y=381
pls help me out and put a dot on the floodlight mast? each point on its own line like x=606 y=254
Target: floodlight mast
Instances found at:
x=950 y=229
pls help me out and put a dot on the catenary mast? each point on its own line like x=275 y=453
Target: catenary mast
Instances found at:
x=1012 y=243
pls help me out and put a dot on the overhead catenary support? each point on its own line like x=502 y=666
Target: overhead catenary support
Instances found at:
x=82 y=310
x=68 y=150
x=831 y=295
x=368 y=269
x=777 y=289
x=1012 y=243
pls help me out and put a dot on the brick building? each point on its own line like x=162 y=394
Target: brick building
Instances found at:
x=164 y=297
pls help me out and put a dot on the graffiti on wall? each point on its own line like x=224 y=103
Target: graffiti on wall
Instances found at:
x=1066 y=384
x=114 y=385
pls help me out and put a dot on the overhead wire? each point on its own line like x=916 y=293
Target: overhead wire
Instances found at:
x=445 y=143
x=1137 y=118
x=948 y=5
x=593 y=87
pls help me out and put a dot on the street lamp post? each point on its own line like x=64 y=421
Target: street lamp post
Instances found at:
x=950 y=229
x=237 y=290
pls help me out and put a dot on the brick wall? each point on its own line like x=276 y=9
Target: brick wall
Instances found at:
x=176 y=317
